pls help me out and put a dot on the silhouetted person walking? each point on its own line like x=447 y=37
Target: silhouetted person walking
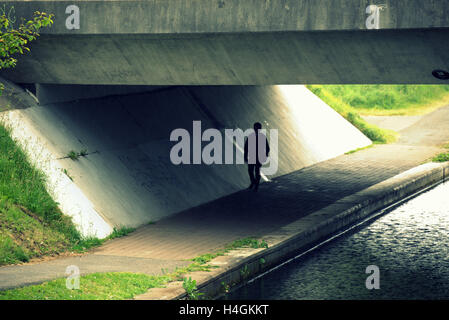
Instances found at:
x=256 y=154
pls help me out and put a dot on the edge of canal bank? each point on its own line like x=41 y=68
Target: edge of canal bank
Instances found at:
x=240 y=265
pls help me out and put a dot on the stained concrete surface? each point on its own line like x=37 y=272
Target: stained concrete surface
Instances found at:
x=234 y=42
x=319 y=57
x=231 y=16
x=128 y=176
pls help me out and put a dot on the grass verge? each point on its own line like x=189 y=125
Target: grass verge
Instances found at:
x=31 y=223
x=359 y=149
x=389 y=100
x=120 y=285
x=444 y=156
x=95 y=286
x=374 y=133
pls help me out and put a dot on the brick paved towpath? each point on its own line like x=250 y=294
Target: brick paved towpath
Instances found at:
x=169 y=242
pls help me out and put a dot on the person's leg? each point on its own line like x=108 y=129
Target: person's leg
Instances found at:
x=251 y=168
x=257 y=177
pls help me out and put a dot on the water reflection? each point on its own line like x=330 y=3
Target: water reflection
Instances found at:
x=410 y=245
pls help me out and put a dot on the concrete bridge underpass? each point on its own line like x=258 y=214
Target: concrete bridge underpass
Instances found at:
x=234 y=42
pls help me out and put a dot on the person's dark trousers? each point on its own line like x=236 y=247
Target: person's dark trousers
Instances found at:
x=254 y=175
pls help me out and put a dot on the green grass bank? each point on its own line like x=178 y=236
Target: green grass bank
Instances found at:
x=31 y=224
x=389 y=100
x=354 y=101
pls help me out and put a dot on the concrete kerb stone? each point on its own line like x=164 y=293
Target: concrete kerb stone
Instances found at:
x=240 y=265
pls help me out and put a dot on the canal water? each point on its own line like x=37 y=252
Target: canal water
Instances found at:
x=409 y=245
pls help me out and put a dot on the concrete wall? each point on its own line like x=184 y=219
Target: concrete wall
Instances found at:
x=223 y=42
x=61 y=93
x=224 y=16
x=128 y=176
x=41 y=153
x=385 y=56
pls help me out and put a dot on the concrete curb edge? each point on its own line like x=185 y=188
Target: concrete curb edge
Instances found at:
x=241 y=265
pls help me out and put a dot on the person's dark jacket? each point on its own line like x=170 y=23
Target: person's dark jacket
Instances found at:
x=267 y=148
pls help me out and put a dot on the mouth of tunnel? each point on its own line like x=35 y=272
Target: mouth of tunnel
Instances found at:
x=127 y=174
